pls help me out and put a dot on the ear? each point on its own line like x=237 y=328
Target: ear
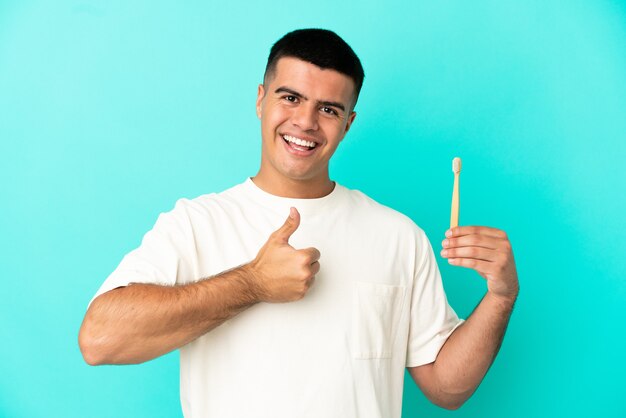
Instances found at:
x=259 y=100
x=349 y=122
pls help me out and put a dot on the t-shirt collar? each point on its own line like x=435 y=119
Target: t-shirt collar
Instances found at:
x=306 y=207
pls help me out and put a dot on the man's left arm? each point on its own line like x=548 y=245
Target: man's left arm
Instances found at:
x=470 y=350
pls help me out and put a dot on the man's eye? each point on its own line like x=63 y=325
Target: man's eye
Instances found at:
x=329 y=110
x=292 y=99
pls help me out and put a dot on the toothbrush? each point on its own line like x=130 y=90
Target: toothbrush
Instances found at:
x=454 y=213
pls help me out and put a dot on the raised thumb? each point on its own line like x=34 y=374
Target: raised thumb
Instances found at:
x=289 y=227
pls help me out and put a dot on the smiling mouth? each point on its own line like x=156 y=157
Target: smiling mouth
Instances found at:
x=299 y=144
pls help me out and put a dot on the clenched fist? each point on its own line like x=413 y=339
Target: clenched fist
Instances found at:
x=280 y=273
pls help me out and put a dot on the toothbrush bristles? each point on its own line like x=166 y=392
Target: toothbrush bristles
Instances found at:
x=456 y=165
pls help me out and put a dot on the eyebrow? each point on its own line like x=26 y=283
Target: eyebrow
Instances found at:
x=284 y=89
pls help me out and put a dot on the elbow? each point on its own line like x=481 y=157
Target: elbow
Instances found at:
x=90 y=357
x=100 y=348
x=95 y=341
x=96 y=345
x=452 y=401
x=89 y=348
x=451 y=406
x=452 y=395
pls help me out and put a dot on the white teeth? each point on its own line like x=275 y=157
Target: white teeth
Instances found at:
x=299 y=141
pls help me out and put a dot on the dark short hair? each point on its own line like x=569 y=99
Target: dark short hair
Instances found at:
x=320 y=47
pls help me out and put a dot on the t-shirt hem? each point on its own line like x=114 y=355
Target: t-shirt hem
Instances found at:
x=429 y=354
x=115 y=281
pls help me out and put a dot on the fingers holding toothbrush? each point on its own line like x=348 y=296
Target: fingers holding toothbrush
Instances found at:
x=486 y=250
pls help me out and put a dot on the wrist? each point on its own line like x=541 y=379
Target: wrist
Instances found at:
x=507 y=300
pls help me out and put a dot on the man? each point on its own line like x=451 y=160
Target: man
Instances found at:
x=316 y=315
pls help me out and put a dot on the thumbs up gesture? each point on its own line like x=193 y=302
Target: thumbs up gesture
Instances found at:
x=280 y=273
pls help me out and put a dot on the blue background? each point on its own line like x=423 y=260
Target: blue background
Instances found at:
x=112 y=110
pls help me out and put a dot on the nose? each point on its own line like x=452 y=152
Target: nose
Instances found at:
x=305 y=117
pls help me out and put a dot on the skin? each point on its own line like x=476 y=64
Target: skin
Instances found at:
x=294 y=100
x=139 y=322
x=468 y=353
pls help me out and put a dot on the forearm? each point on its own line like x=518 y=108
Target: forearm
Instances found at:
x=139 y=322
x=471 y=349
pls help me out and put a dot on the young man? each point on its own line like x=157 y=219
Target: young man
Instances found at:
x=316 y=315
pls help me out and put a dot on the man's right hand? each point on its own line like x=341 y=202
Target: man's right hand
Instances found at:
x=280 y=273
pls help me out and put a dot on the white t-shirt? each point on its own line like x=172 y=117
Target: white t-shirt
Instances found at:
x=376 y=307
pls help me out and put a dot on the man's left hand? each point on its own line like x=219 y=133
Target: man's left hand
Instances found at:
x=489 y=252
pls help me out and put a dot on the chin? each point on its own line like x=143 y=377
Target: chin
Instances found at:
x=298 y=175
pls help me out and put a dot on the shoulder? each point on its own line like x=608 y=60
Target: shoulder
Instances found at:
x=380 y=215
x=203 y=207
x=214 y=201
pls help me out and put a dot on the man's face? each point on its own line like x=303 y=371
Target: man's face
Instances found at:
x=302 y=102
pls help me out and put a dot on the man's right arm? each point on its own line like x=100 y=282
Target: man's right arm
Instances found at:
x=140 y=322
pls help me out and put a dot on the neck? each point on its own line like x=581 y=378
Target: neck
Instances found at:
x=295 y=188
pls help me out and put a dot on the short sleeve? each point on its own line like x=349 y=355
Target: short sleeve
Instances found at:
x=432 y=319
x=165 y=256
